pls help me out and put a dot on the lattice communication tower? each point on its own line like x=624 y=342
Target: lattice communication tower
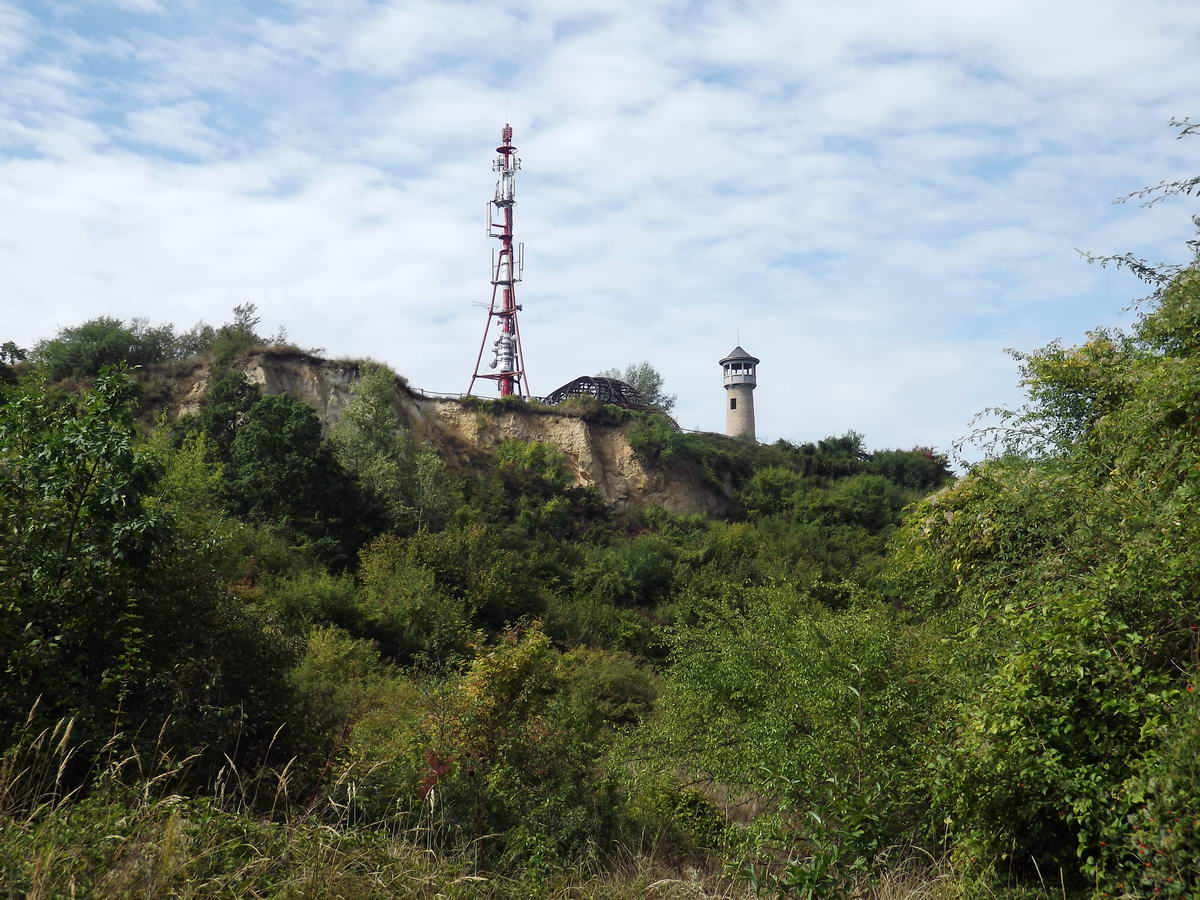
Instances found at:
x=508 y=264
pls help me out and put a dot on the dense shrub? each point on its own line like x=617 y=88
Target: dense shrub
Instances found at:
x=1065 y=585
x=96 y=584
x=281 y=471
x=85 y=349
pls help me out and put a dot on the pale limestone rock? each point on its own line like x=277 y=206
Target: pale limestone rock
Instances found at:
x=598 y=455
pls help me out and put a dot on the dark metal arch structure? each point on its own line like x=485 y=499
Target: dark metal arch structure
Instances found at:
x=606 y=390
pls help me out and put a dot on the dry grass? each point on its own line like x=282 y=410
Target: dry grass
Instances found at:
x=130 y=834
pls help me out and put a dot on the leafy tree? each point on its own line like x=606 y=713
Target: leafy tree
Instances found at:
x=238 y=336
x=226 y=405
x=919 y=469
x=638 y=572
x=471 y=574
x=773 y=696
x=772 y=490
x=648 y=382
x=85 y=349
x=106 y=615
x=406 y=610
x=511 y=753
x=281 y=471
x=1065 y=583
x=870 y=501
x=10 y=355
x=371 y=441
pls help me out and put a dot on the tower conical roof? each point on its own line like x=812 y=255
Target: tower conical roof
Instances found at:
x=737 y=353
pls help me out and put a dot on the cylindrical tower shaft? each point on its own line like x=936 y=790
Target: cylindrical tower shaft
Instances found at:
x=508 y=358
x=739 y=411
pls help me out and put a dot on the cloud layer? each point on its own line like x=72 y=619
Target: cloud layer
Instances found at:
x=879 y=196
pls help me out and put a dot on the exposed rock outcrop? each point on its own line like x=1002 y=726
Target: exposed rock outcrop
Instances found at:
x=599 y=455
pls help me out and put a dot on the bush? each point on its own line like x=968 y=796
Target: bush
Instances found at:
x=280 y=471
x=86 y=349
x=424 y=594
x=1154 y=847
x=96 y=585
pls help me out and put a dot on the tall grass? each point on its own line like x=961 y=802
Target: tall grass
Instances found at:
x=125 y=829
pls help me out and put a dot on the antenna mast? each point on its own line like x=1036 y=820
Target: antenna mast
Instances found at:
x=508 y=358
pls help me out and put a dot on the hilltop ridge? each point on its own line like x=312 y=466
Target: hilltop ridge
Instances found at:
x=459 y=429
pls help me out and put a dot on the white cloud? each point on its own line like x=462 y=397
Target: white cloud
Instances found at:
x=881 y=197
x=15 y=32
x=181 y=127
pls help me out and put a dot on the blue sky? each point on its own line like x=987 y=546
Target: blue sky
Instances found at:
x=880 y=196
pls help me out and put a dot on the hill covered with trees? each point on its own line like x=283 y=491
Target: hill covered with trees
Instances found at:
x=243 y=656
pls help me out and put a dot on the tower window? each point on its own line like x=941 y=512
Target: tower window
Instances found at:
x=733 y=402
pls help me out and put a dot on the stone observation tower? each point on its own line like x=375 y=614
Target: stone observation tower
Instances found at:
x=740 y=380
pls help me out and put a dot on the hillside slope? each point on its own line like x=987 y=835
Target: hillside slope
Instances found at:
x=599 y=455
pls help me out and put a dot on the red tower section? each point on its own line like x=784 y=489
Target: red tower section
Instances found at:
x=508 y=359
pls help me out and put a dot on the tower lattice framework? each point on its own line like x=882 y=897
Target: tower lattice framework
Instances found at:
x=508 y=264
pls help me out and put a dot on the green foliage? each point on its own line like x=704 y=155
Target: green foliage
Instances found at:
x=85 y=349
x=226 y=405
x=774 y=683
x=1067 y=588
x=517 y=751
x=339 y=679
x=535 y=464
x=593 y=411
x=869 y=501
x=238 y=336
x=96 y=583
x=10 y=353
x=638 y=572
x=301 y=599
x=75 y=531
x=435 y=582
x=371 y=442
x=919 y=469
x=774 y=695
x=10 y=356
x=405 y=608
x=757 y=471
x=655 y=439
x=281 y=471
x=1155 y=849
x=533 y=490
x=773 y=490
x=647 y=381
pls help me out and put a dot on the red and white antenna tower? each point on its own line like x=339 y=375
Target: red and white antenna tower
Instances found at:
x=508 y=359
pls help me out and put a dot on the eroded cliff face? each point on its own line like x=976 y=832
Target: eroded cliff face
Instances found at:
x=599 y=455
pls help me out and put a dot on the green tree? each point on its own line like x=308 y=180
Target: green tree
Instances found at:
x=85 y=349
x=371 y=441
x=814 y=713
x=648 y=382
x=10 y=355
x=281 y=471
x=106 y=614
x=226 y=405
x=1063 y=576
x=238 y=336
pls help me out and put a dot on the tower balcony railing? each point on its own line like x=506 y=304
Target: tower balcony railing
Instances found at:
x=740 y=378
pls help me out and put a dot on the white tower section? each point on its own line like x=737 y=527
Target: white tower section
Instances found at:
x=741 y=377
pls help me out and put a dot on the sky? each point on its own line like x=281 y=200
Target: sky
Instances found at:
x=874 y=198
